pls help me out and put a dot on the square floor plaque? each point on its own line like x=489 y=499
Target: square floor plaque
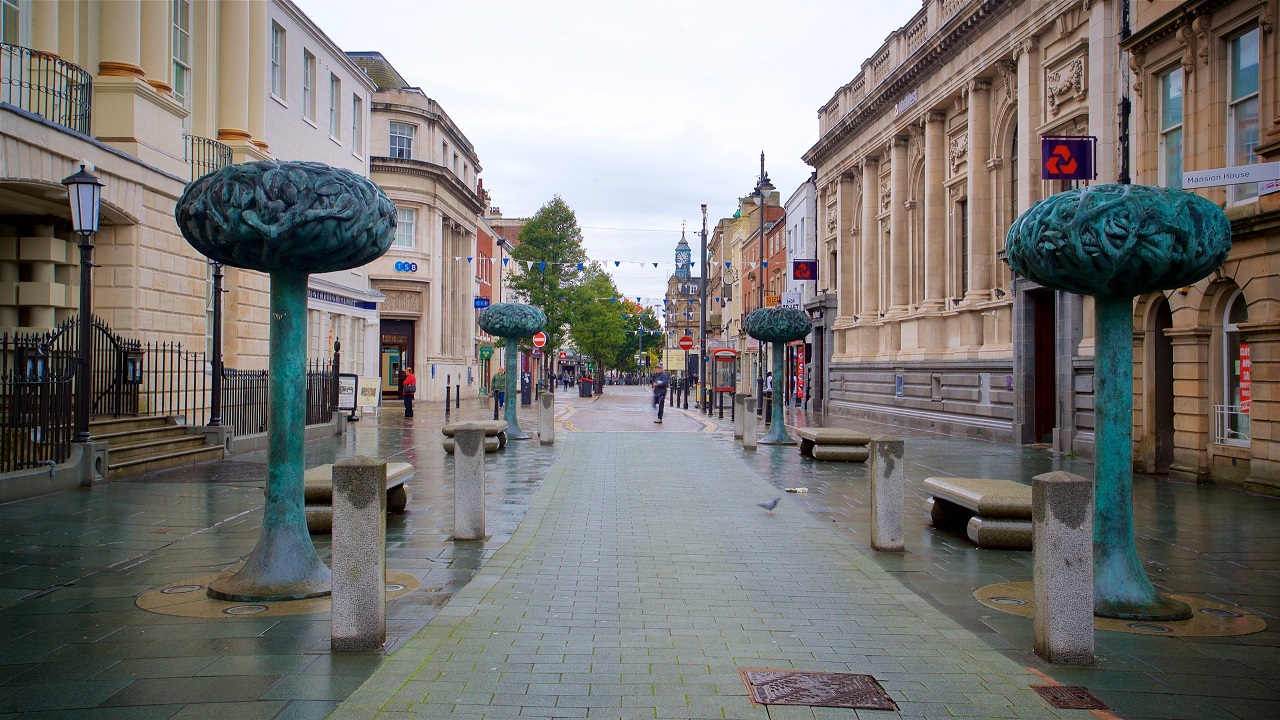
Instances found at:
x=1069 y=697
x=816 y=689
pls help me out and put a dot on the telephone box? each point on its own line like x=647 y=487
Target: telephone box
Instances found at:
x=725 y=369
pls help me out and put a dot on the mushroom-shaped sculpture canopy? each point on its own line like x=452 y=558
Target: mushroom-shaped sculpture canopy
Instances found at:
x=777 y=324
x=1119 y=240
x=512 y=320
x=303 y=216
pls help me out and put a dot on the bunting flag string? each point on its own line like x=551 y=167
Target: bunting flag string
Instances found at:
x=543 y=265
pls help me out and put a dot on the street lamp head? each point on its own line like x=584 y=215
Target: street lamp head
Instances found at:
x=84 y=191
x=765 y=187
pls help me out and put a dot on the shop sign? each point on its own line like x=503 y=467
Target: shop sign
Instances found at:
x=406 y=266
x=1246 y=379
x=486 y=352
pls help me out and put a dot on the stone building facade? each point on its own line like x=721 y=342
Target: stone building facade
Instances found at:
x=152 y=95
x=923 y=161
x=429 y=169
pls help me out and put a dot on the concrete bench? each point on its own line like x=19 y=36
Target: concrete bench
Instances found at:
x=318 y=489
x=996 y=514
x=495 y=434
x=834 y=444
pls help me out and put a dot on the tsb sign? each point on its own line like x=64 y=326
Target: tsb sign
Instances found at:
x=403 y=266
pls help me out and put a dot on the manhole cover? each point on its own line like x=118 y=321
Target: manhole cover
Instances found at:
x=1008 y=601
x=245 y=610
x=1219 y=612
x=1149 y=627
x=789 y=687
x=179 y=589
x=1069 y=697
x=394 y=587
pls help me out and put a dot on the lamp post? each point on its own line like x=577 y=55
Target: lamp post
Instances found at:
x=215 y=392
x=702 y=316
x=84 y=191
x=761 y=196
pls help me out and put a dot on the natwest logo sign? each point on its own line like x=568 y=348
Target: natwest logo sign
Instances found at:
x=1068 y=157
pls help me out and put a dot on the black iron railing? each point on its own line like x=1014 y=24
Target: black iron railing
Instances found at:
x=46 y=85
x=36 y=390
x=205 y=155
x=245 y=396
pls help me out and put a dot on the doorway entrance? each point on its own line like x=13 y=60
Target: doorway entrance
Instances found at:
x=1163 y=386
x=397 y=353
x=1044 y=413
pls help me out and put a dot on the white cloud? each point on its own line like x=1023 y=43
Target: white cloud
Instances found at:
x=634 y=112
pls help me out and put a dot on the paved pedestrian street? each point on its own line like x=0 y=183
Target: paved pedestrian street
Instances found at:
x=629 y=573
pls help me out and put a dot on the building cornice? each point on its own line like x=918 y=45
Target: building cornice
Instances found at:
x=431 y=171
x=954 y=35
x=433 y=113
x=1167 y=25
x=337 y=53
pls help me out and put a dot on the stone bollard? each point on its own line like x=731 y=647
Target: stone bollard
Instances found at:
x=547 y=419
x=468 y=482
x=358 y=622
x=887 y=490
x=1062 y=567
x=749 y=424
x=739 y=401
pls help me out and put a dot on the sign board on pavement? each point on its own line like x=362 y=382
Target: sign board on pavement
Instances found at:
x=347 y=391
x=369 y=393
x=1238 y=175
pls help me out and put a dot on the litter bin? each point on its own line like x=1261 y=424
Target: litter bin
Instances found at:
x=584 y=388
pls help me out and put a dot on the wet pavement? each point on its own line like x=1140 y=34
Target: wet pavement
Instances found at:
x=73 y=643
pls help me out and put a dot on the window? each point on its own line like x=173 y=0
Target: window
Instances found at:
x=181 y=51
x=1242 y=110
x=335 y=106
x=964 y=247
x=1171 y=129
x=444 y=154
x=1013 y=177
x=402 y=140
x=277 y=61
x=406 y=220
x=308 y=85
x=10 y=20
x=455 y=163
x=357 y=125
x=1236 y=382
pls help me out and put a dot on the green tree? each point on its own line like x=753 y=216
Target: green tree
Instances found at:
x=596 y=323
x=643 y=332
x=551 y=245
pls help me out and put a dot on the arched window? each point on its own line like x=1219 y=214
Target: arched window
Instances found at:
x=1233 y=419
x=1013 y=177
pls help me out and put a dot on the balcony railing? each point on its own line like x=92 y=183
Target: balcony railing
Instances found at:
x=1230 y=425
x=204 y=155
x=46 y=85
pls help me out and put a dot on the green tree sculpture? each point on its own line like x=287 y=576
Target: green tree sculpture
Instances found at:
x=289 y=220
x=1114 y=242
x=512 y=321
x=777 y=325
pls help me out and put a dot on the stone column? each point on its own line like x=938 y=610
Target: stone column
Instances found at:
x=468 y=480
x=869 y=309
x=9 y=278
x=847 y=250
x=157 y=51
x=44 y=27
x=546 y=419
x=899 y=247
x=1062 y=567
x=1104 y=73
x=888 y=487
x=359 y=617
x=739 y=415
x=1027 y=55
x=260 y=62
x=750 y=424
x=935 y=210
x=233 y=72
x=120 y=39
x=979 y=192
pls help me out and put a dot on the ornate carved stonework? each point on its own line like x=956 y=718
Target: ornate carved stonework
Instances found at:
x=1200 y=26
x=1023 y=46
x=403 y=302
x=884 y=195
x=1067 y=80
x=1187 y=40
x=1136 y=61
x=958 y=151
x=915 y=146
x=1265 y=21
x=1008 y=71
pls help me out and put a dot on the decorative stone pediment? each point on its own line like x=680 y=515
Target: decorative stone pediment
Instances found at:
x=1065 y=83
x=958 y=151
x=402 y=302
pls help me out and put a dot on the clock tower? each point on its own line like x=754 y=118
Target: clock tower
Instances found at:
x=683 y=255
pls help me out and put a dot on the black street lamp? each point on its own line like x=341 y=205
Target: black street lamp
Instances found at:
x=702 y=316
x=84 y=191
x=215 y=399
x=761 y=196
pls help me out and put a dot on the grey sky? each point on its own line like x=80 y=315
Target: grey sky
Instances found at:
x=634 y=112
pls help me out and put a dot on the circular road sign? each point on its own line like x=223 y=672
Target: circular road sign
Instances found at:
x=539 y=339
x=686 y=343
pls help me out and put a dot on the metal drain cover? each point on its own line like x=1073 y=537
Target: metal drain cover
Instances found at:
x=817 y=689
x=1069 y=697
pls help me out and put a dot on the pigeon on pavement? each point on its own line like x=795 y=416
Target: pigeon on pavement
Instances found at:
x=770 y=505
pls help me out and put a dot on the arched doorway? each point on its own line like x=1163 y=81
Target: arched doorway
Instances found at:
x=1161 y=385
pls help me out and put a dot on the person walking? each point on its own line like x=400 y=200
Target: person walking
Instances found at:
x=408 y=386
x=499 y=385
x=659 y=382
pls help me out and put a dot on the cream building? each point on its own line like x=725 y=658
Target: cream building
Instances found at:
x=173 y=90
x=930 y=152
x=429 y=169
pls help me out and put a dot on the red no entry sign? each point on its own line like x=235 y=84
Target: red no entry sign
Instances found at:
x=539 y=339
x=686 y=343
